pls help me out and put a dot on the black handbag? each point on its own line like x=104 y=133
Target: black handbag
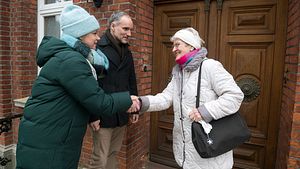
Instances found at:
x=226 y=133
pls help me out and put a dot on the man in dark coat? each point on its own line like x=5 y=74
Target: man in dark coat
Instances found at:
x=120 y=77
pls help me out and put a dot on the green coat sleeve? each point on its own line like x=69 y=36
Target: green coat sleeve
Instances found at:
x=76 y=77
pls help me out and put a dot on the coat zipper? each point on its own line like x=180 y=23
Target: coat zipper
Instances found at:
x=181 y=119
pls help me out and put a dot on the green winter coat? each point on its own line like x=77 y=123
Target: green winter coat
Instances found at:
x=56 y=115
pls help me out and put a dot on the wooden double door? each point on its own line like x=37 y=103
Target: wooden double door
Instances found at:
x=248 y=37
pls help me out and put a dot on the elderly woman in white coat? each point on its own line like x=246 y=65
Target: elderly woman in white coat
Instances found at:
x=220 y=96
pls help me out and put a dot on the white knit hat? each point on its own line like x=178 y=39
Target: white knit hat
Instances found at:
x=189 y=36
x=76 y=21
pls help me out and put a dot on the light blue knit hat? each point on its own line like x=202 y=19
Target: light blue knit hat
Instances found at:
x=76 y=21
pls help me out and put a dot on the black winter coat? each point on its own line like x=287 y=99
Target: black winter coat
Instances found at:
x=120 y=77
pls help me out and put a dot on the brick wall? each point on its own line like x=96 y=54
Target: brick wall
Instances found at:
x=17 y=56
x=23 y=49
x=288 y=154
x=136 y=140
x=5 y=61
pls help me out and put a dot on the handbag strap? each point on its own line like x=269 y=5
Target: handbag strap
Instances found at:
x=199 y=84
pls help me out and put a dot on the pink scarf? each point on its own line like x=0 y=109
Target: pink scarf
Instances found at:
x=185 y=59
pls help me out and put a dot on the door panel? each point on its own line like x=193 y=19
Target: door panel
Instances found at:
x=161 y=135
x=243 y=35
x=247 y=37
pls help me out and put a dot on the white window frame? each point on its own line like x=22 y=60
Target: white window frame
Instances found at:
x=48 y=10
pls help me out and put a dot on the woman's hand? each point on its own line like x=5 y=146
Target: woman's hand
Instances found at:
x=135 y=107
x=195 y=115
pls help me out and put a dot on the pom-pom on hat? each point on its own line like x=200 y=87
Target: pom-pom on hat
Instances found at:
x=189 y=36
x=76 y=22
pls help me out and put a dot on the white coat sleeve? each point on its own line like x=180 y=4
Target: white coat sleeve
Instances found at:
x=229 y=94
x=160 y=101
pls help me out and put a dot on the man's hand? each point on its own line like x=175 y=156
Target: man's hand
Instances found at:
x=95 y=125
x=134 y=118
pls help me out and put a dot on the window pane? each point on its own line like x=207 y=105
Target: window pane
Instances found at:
x=50 y=1
x=55 y=1
x=52 y=26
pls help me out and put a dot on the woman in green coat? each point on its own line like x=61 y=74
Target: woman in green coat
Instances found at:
x=64 y=95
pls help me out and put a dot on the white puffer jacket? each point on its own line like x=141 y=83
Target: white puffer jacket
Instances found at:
x=220 y=96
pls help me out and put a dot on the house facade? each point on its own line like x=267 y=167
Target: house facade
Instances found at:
x=257 y=41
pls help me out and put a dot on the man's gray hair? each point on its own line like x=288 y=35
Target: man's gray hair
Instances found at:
x=115 y=17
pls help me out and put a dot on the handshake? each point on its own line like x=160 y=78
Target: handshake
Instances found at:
x=136 y=105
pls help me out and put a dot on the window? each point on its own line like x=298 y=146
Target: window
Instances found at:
x=54 y=1
x=48 y=17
